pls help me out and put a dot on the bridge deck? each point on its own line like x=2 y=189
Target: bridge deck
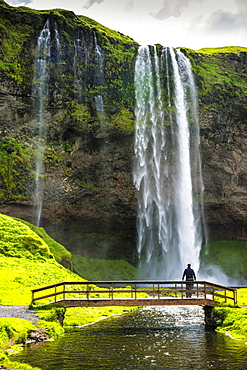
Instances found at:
x=104 y=302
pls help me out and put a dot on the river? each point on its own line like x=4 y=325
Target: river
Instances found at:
x=172 y=338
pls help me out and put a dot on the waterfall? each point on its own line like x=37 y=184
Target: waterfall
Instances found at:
x=40 y=92
x=99 y=74
x=79 y=66
x=167 y=171
x=46 y=50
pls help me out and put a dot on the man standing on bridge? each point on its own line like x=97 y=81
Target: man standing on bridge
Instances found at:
x=190 y=276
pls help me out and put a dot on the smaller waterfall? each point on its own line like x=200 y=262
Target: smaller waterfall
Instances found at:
x=47 y=50
x=40 y=92
x=58 y=48
x=99 y=74
x=167 y=171
x=79 y=66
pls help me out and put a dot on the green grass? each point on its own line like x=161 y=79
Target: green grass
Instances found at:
x=223 y=49
x=13 y=332
x=229 y=255
x=18 y=240
x=14 y=329
x=18 y=276
x=58 y=250
x=99 y=269
x=218 y=74
x=27 y=262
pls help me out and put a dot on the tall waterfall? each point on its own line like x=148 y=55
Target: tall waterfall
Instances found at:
x=40 y=92
x=167 y=170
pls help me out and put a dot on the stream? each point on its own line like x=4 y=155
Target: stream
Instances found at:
x=172 y=338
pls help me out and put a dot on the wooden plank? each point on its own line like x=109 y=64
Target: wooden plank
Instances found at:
x=134 y=302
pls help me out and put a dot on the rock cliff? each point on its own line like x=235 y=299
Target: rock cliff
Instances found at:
x=89 y=201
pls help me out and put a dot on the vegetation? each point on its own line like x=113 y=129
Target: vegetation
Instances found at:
x=233 y=320
x=229 y=255
x=100 y=269
x=15 y=170
x=218 y=73
x=26 y=262
x=224 y=49
x=59 y=252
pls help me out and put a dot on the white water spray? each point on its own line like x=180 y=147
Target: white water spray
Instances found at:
x=167 y=167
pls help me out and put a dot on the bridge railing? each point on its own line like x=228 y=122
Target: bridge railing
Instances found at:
x=137 y=289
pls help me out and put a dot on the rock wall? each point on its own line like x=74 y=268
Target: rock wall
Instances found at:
x=221 y=78
x=89 y=199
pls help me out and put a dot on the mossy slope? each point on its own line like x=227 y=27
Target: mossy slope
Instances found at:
x=26 y=262
x=97 y=269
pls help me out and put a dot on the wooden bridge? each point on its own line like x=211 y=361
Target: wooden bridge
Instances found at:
x=133 y=293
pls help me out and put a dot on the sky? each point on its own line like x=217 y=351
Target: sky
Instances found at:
x=193 y=24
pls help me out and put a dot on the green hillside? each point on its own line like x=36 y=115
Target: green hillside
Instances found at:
x=26 y=262
x=29 y=259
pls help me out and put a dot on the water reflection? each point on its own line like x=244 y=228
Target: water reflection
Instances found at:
x=172 y=338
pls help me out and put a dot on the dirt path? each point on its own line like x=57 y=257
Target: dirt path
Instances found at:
x=19 y=312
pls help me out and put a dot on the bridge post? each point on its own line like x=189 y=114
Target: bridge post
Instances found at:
x=210 y=316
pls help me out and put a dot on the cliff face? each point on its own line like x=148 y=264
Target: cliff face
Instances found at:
x=89 y=201
x=88 y=132
x=221 y=78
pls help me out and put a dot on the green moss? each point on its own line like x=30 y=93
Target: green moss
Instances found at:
x=99 y=269
x=18 y=240
x=87 y=185
x=12 y=45
x=14 y=329
x=80 y=118
x=15 y=169
x=122 y=123
x=26 y=261
x=224 y=49
x=53 y=158
x=53 y=329
x=58 y=250
x=106 y=32
x=217 y=73
x=234 y=322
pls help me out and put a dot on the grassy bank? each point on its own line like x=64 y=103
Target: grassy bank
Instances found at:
x=29 y=259
x=233 y=319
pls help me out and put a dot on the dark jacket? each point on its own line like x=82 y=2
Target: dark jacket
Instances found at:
x=189 y=273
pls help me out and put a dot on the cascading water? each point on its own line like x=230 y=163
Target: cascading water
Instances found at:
x=99 y=75
x=80 y=65
x=40 y=92
x=167 y=171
